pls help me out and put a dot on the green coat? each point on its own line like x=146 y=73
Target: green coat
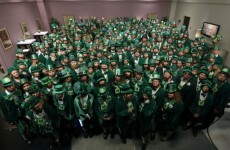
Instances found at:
x=104 y=107
x=221 y=96
x=65 y=108
x=147 y=111
x=172 y=112
x=84 y=107
x=138 y=86
x=202 y=106
x=124 y=118
x=47 y=123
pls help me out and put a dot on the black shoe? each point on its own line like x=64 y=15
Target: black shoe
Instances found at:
x=123 y=140
x=112 y=135
x=194 y=132
x=85 y=135
x=28 y=142
x=152 y=136
x=186 y=127
x=143 y=146
x=105 y=135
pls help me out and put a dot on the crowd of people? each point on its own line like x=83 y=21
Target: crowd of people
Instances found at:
x=125 y=76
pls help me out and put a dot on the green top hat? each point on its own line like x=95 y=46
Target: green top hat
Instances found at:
x=102 y=91
x=99 y=77
x=33 y=88
x=225 y=71
x=172 y=88
x=148 y=90
x=11 y=69
x=146 y=61
x=105 y=61
x=187 y=70
x=90 y=64
x=66 y=73
x=118 y=72
x=125 y=89
x=19 y=51
x=127 y=68
x=58 y=89
x=20 y=62
x=72 y=58
x=207 y=83
x=83 y=71
x=216 y=48
x=33 y=101
x=83 y=89
x=58 y=64
x=35 y=69
x=189 y=60
x=156 y=76
x=23 y=81
x=49 y=67
x=204 y=71
x=138 y=69
x=7 y=81
x=152 y=63
x=34 y=56
x=169 y=71
x=46 y=80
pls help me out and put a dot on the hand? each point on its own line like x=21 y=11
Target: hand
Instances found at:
x=196 y=115
x=147 y=101
x=130 y=110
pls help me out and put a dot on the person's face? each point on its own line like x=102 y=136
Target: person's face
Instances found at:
x=58 y=96
x=127 y=73
x=96 y=64
x=179 y=64
x=137 y=54
x=15 y=74
x=211 y=60
x=68 y=79
x=145 y=96
x=156 y=83
x=36 y=74
x=102 y=82
x=104 y=66
x=50 y=85
x=38 y=107
x=205 y=89
x=202 y=76
x=186 y=75
x=118 y=78
x=167 y=75
x=138 y=76
x=73 y=64
x=11 y=88
x=25 y=86
x=83 y=78
x=36 y=94
x=20 y=55
x=222 y=77
x=90 y=70
x=170 y=95
x=52 y=73
x=113 y=63
x=127 y=96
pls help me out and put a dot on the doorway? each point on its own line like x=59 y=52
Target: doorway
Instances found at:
x=186 y=21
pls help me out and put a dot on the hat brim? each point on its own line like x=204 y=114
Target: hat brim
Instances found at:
x=58 y=92
x=127 y=91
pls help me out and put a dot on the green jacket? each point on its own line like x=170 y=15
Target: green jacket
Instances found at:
x=84 y=107
x=202 y=107
x=65 y=107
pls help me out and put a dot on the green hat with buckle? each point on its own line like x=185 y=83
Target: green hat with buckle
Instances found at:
x=100 y=77
x=83 y=89
x=49 y=67
x=172 y=88
x=105 y=61
x=6 y=81
x=152 y=63
x=118 y=72
x=66 y=72
x=156 y=76
x=58 y=89
x=148 y=91
x=33 y=56
x=46 y=80
x=83 y=71
x=34 y=88
x=125 y=89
